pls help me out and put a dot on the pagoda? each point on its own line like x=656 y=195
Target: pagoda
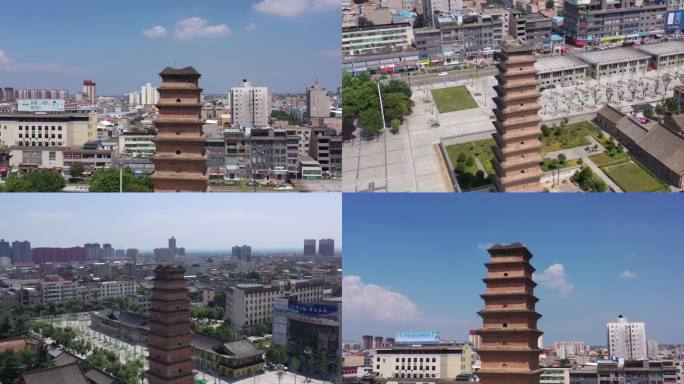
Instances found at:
x=518 y=126
x=180 y=160
x=170 y=353
x=509 y=351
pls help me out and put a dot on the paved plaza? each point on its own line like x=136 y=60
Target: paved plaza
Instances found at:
x=410 y=160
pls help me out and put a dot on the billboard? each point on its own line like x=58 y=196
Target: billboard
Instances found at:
x=40 y=105
x=416 y=338
x=674 y=21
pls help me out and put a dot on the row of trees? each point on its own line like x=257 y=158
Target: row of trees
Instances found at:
x=361 y=104
x=106 y=180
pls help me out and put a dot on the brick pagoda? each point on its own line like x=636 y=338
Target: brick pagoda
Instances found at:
x=170 y=353
x=509 y=352
x=518 y=125
x=180 y=161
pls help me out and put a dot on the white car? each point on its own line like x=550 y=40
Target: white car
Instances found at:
x=443 y=73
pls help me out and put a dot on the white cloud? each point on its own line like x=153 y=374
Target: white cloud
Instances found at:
x=155 y=32
x=53 y=216
x=8 y=64
x=369 y=306
x=197 y=27
x=380 y=304
x=293 y=8
x=627 y=274
x=554 y=278
x=250 y=27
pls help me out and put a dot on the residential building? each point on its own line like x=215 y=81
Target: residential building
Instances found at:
x=317 y=101
x=533 y=28
x=250 y=106
x=325 y=146
x=665 y=54
x=270 y=151
x=243 y=252
x=376 y=39
x=609 y=22
x=584 y=375
x=105 y=291
x=555 y=376
x=567 y=349
x=309 y=247
x=148 y=95
x=21 y=253
x=57 y=290
x=631 y=371
x=137 y=144
x=627 y=339
x=652 y=349
x=251 y=305
x=469 y=35
x=433 y=8
x=58 y=255
x=428 y=41
x=434 y=362
x=60 y=157
x=89 y=89
x=326 y=247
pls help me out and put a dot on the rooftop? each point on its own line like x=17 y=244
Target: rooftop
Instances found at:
x=613 y=55
x=168 y=71
x=667 y=47
x=557 y=63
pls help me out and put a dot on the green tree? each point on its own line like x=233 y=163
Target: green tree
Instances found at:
x=395 y=124
x=371 y=122
x=396 y=86
x=36 y=181
x=562 y=158
x=76 y=170
x=107 y=180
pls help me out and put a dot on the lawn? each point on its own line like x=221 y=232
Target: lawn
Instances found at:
x=453 y=99
x=481 y=149
x=570 y=136
x=546 y=165
x=632 y=177
x=605 y=160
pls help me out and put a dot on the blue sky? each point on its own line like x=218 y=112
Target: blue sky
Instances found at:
x=415 y=261
x=123 y=44
x=146 y=221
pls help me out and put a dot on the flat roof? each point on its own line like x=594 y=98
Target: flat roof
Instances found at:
x=667 y=47
x=613 y=55
x=558 y=63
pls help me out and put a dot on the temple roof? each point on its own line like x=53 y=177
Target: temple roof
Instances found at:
x=509 y=247
x=168 y=71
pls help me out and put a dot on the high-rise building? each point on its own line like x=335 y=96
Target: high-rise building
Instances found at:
x=242 y=253
x=90 y=90
x=251 y=106
x=566 y=349
x=309 y=247
x=509 y=351
x=377 y=342
x=627 y=339
x=517 y=144
x=133 y=253
x=317 y=102
x=21 y=252
x=326 y=247
x=172 y=243
x=180 y=162
x=8 y=94
x=367 y=342
x=432 y=7
x=5 y=249
x=148 y=95
x=652 y=348
x=170 y=353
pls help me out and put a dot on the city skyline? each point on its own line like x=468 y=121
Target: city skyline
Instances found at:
x=198 y=222
x=594 y=259
x=225 y=41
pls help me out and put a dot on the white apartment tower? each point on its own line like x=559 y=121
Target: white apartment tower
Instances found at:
x=627 y=339
x=149 y=95
x=251 y=106
x=441 y=6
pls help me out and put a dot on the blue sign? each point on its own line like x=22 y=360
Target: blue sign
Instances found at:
x=429 y=337
x=313 y=310
x=674 y=21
